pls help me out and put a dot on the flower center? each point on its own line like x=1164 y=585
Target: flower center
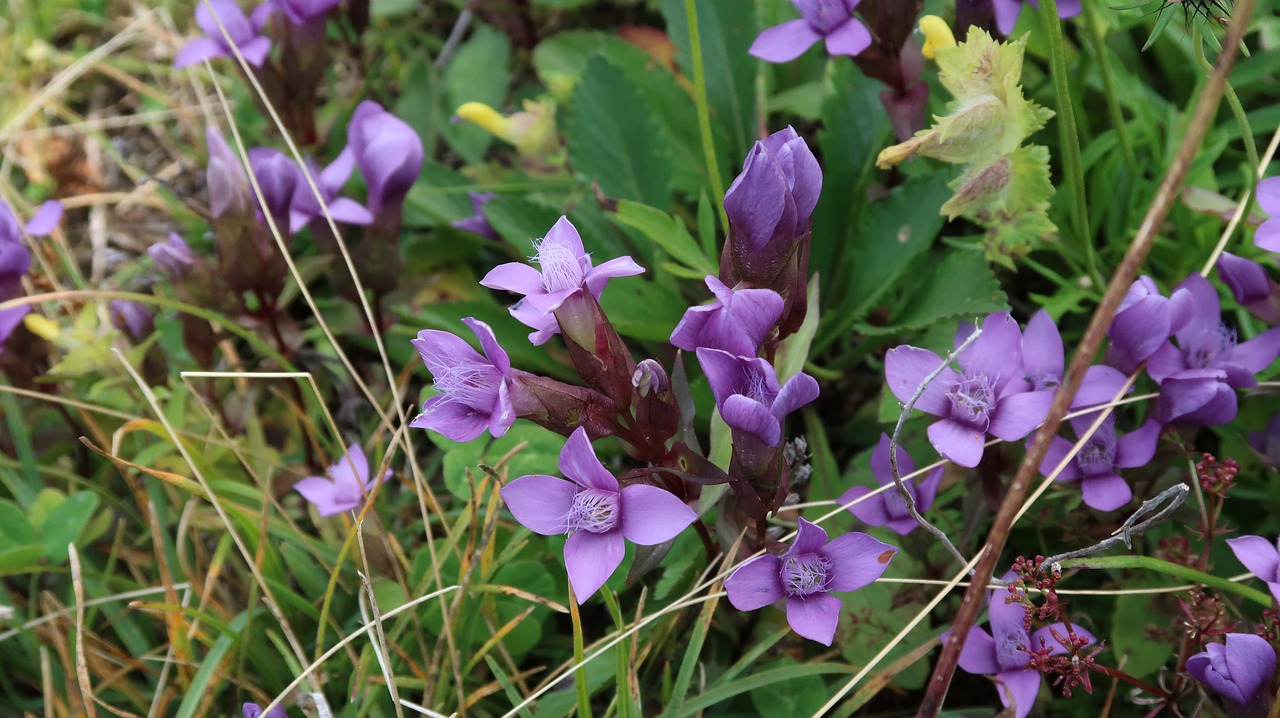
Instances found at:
x=594 y=510
x=561 y=269
x=1202 y=356
x=1098 y=454
x=972 y=400
x=1008 y=654
x=805 y=574
x=469 y=383
x=757 y=388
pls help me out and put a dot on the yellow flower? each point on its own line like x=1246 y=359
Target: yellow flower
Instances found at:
x=937 y=35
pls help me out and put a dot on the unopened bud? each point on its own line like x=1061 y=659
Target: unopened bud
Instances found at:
x=650 y=377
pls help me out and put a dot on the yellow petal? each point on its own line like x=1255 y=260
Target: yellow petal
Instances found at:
x=937 y=35
x=41 y=326
x=484 y=116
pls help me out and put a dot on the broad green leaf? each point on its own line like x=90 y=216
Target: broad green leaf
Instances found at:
x=958 y=284
x=613 y=139
x=800 y=696
x=642 y=309
x=15 y=529
x=21 y=559
x=477 y=73
x=664 y=231
x=1130 y=639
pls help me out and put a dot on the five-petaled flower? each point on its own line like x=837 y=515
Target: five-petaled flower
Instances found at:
x=595 y=512
x=15 y=258
x=346 y=486
x=566 y=270
x=738 y=321
x=1043 y=361
x=1095 y=465
x=1003 y=653
x=1237 y=671
x=751 y=401
x=831 y=21
x=987 y=395
x=806 y=574
x=474 y=392
x=329 y=182
x=1199 y=376
x=1261 y=557
x=244 y=33
x=888 y=508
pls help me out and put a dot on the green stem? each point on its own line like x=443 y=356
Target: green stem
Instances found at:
x=579 y=655
x=704 y=112
x=1233 y=100
x=1171 y=569
x=1070 y=136
x=1109 y=87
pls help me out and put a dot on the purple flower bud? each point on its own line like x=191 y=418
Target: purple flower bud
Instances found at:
x=888 y=508
x=173 y=256
x=738 y=321
x=244 y=33
x=278 y=178
x=829 y=20
x=302 y=12
x=476 y=223
x=133 y=319
x=1251 y=286
x=596 y=512
x=305 y=208
x=1237 y=671
x=650 y=378
x=1007 y=12
x=253 y=710
x=346 y=486
x=229 y=192
x=806 y=574
x=388 y=153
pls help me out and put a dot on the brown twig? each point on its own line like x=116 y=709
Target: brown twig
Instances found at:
x=1201 y=119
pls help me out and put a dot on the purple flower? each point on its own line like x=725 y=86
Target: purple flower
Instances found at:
x=828 y=20
x=1043 y=361
x=474 y=392
x=278 y=179
x=751 y=402
x=1143 y=321
x=173 y=256
x=595 y=512
x=987 y=395
x=302 y=12
x=566 y=270
x=1251 y=286
x=476 y=223
x=887 y=508
x=1261 y=557
x=229 y=192
x=1003 y=652
x=738 y=321
x=346 y=486
x=1198 y=377
x=806 y=574
x=1268 y=234
x=1007 y=12
x=133 y=319
x=15 y=258
x=769 y=206
x=244 y=33
x=253 y=710
x=388 y=153
x=1097 y=461
x=1238 y=670
x=329 y=181
x=1267 y=442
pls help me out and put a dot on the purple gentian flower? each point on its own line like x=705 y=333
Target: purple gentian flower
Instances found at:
x=1144 y=320
x=1007 y=12
x=1268 y=234
x=888 y=508
x=329 y=181
x=388 y=153
x=278 y=179
x=1237 y=671
x=1097 y=461
x=132 y=318
x=566 y=270
x=476 y=223
x=253 y=710
x=173 y=256
x=738 y=321
x=1198 y=377
x=1003 y=652
x=229 y=191
x=829 y=20
x=806 y=574
x=244 y=33
x=15 y=258
x=346 y=486
x=751 y=402
x=1267 y=442
x=302 y=12
x=1251 y=286
x=1261 y=557
x=595 y=512
x=987 y=395
x=474 y=391
x=1043 y=360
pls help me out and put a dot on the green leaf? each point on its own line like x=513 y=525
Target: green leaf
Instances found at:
x=391 y=8
x=794 y=351
x=664 y=231
x=1129 y=639
x=960 y=283
x=642 y=309
x=800 y=696
x=756 y=681
x=15 y=529
x=20 y=560
x=561 y=59
x=477 y=73
x=613 y=140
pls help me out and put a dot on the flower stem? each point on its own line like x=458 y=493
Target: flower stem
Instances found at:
x=1109 y=87
x=1228 y=94
x=704 y=114
x=580 y=675
x=1149 y=563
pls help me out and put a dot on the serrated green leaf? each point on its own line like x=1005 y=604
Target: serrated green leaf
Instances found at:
x=664 y=231
x=960 y=283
